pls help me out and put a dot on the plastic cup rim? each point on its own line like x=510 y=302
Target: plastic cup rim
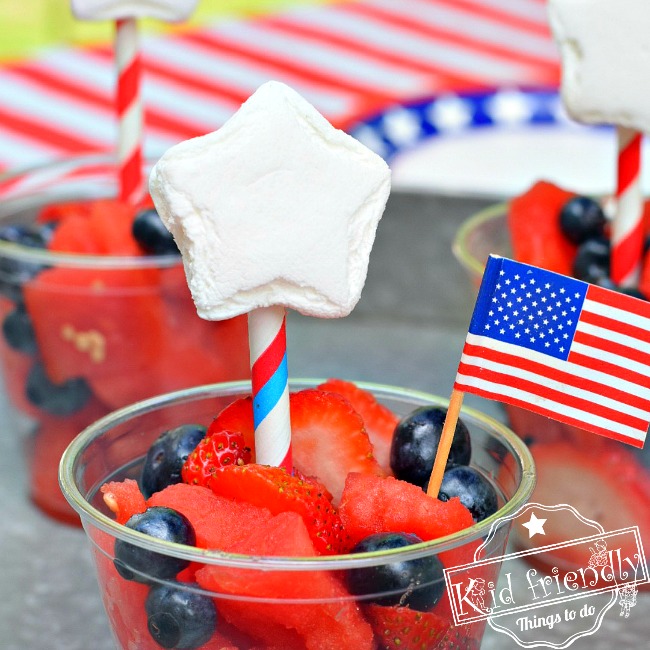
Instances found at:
x=75 y=260
x=90 y=515
x=459 y=245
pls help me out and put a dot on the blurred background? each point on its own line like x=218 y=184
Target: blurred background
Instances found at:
x=410 y=79
x=437 y=87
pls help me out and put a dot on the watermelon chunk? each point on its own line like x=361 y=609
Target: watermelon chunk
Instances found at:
x=219 y=523
x=124 y=499
x=100 y=227
x=373 y=504
x=15 y=367
x=98 y=324
x=534 y=224
x=46 y=447
x=330 y=625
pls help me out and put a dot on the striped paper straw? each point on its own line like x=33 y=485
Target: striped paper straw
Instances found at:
x=270 y=380
x=627 y=227
x=129 y=111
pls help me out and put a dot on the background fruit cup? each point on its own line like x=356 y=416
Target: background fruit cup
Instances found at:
x=92 y=330
x=605 y=480
x=271 y=599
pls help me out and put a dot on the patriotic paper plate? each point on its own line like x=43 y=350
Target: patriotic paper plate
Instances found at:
x=492 y=144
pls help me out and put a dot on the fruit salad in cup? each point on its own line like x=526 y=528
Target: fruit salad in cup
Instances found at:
x=198 y=546
x=554 y=228
x=95 y=312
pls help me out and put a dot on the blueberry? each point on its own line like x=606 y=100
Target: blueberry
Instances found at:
x=178 y=617
x=475 y=492
x=415 y=443
x=591 y=263
x=582 y=218
x=166 y=456
x=418 y=584
x=152 y=235
x=18 y=331
x=141 y=565
x=14 y=272
x=58 y=399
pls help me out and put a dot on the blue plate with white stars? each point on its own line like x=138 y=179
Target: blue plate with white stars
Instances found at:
x=492 y=144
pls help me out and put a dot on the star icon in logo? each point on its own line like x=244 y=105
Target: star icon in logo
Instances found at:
x=535 y=526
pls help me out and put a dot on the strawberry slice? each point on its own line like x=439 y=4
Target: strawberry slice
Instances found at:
x=273 y=488
x=401 y=628
x=379 y=420
x=238 y=416
x=613 y=489
x=218 y=449
x=328 y=437
x=329 y=440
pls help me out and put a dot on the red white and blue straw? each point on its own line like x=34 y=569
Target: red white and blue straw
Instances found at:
x=627 y=227
x=129 y=111
x=270 y=383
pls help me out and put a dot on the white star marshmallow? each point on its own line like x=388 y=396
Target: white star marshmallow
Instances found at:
x=605 y=48
x=168 y=10
x=275 y=208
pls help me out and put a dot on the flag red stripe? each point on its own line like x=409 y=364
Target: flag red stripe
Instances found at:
x=625 y=351
x=611 y=369
x=536 y=388
x=558 y=375
x=620 y=301
x=614 y=325
x=549 y=413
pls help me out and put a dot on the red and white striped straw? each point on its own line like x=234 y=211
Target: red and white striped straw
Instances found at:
x=270 y=381
x=129 y=111
x=627 y=227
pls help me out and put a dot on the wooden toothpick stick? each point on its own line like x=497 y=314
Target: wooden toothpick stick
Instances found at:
x=446 y=438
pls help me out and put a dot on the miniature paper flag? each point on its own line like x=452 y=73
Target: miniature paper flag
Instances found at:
x=560 y=347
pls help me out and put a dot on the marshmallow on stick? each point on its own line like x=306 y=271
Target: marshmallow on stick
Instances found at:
x=127 y=56
x=605 y=58
x=275 y=210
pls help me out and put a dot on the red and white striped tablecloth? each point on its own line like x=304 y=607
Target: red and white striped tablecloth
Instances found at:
x=352 y=60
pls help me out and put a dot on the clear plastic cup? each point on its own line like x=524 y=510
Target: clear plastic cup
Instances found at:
x=291 y=603
x=617 y=499
x=83 y=335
